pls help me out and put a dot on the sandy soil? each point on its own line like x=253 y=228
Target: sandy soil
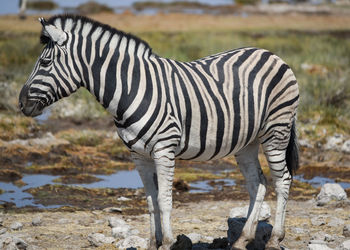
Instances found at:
x=69 y=230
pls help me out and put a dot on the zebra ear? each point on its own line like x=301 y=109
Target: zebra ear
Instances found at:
x=55 y=34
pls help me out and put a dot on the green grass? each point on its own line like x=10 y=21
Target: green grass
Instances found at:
x=324 y=90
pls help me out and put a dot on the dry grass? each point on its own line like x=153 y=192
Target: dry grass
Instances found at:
x=189 y=22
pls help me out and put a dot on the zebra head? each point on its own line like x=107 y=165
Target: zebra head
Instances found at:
x=51 y=78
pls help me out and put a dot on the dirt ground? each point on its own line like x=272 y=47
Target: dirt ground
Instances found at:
x=70 y=230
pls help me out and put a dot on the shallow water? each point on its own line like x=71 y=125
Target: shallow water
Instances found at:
x=11 y=7
x=17 y=195
x=319 y=181
x=121 y=179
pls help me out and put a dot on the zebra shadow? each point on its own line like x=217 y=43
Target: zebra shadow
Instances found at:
x=235 y=227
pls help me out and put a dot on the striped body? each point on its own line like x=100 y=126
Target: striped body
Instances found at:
x=215 y=106
x=222 y=104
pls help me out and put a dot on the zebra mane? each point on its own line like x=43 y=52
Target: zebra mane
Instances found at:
x=44 y=39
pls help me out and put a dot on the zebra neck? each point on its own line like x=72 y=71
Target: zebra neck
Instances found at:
x=117 y=72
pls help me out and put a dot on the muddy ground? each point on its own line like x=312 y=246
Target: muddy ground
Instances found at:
x=77 y=151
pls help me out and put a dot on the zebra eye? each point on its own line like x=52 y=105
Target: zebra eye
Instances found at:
x=45 y=61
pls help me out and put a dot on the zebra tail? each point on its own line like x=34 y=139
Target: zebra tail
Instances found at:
x=292 y=154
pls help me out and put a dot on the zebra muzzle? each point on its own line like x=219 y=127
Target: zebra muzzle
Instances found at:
x=29 y=107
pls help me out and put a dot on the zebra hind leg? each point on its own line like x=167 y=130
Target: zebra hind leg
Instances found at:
x=147 y=171
x=249 y=165
x=282 y=180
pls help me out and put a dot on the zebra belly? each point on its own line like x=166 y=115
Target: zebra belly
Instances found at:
x=207 y=146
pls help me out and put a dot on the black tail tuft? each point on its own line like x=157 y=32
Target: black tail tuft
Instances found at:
x=292 y=154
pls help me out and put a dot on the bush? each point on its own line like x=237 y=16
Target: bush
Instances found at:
x=41 y=5
x=92 y=7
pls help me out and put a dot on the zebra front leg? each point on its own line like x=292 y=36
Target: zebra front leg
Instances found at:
x=249 y=165
x=165 y=164
x=282 y=180
x=147 y=171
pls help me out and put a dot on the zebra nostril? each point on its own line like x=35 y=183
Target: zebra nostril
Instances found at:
x=20 y=105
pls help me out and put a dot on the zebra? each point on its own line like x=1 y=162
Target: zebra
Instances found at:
x=225 y=104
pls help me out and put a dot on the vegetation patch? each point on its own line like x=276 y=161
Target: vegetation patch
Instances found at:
x=9 y=175
x=93 y=198
x=41 y=5
x=92 y=7
x=191 y=174
x=88 y=138
x=14 y=127
x=77 y=179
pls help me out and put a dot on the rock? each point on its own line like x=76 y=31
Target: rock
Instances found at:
x=132 y=242
x=318 y=221
x=298 y=230
x=122 y=198
x=318 y=246
x=346 y=230
x=263 y=232
x=16 y=226
x=335 y=222
x=305 y=143
x=329 y=192
x=1 y=221
x=241 y=212
x=37 y=221
x=116 y=222
x=192 y=221
x=346 y=147
x=3 y=230
x=112 y=210
x=10 y=242
x=334 y=142
x=321 y=237
x=345 y=245
x=194 y=237
x=97 y=239
x=182 y=243
x=122 y=232
x=47 y=140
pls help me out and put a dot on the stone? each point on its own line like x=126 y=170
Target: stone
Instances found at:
x=194 y=237
x=116 y=222
x=318 y=246
x=298 y=230
x=335 y=222
x=182 y=243
x=1 y=221
x=263 y=232
x=346 y=230
x=346 y=147
x=98 y=239
x=132 y=242
x=37 y=221
x=10 y=242
x=112 y=210
x=122 y=198
x=334 y=142
x=329 y=192
x=305 y=143
x=16 y=226
x=3 y=230
x=318 y=221
x=121 y=232
x=345 y=245
x=241 y=212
